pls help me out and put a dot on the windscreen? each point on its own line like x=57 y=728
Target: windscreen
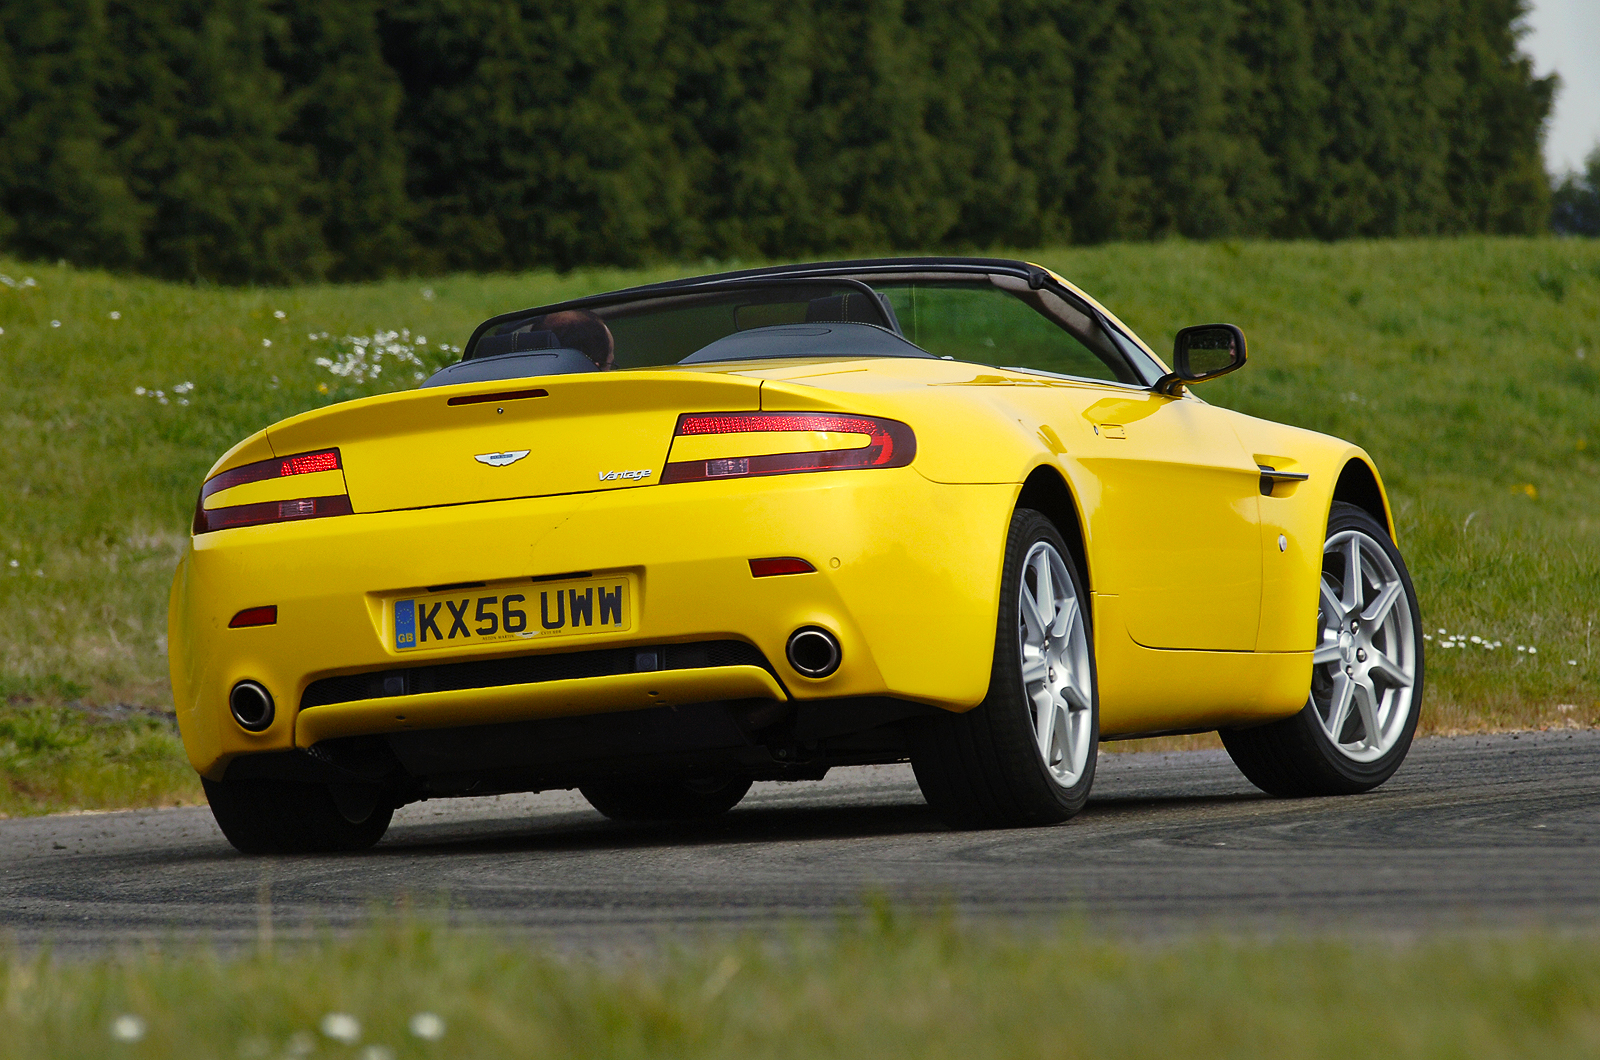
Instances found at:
x=990 y=319
x=1008 y=326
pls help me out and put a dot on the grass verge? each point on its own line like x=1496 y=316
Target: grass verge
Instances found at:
x=878 y=986
x=61 y=758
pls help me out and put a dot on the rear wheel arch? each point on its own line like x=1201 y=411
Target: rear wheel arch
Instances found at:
x=1047 y=492
x=1358 y=485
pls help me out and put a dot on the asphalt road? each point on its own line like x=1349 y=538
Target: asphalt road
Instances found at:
x=1475 y=832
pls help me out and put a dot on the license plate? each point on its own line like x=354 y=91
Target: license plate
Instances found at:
x=512 y=612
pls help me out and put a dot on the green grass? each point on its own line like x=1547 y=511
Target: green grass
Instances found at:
x=55 y=758
x=1469 y=368
x=875 y=987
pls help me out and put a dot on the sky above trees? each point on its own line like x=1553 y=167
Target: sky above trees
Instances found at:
x=1565 y=37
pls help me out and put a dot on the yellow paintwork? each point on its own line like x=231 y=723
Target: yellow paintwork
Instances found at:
x=1200 y=619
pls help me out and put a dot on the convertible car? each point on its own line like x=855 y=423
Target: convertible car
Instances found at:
x=661 y=543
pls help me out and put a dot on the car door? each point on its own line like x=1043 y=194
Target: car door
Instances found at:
x=1175 y=522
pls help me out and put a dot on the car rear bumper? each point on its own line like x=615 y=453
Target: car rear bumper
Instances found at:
x=907 y=575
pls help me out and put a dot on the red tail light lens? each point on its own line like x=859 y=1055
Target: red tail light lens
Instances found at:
x=280 y=467
x=890 y=444
x=270 y=511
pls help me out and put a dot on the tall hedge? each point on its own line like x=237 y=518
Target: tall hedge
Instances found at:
x=273 y=140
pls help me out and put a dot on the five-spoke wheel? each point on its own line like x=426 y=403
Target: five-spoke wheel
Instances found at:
x=1364 y=670
x=1055 y=663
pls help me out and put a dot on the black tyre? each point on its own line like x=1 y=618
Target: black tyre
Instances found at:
x=1026 y=754
x=1366 y=676
x=665 y=800
x=280 y=817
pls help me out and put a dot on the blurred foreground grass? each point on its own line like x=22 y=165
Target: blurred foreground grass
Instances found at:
x=877 y=986
x=1469 y=368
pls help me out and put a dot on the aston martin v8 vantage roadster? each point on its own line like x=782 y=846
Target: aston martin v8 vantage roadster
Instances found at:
x=660 y=543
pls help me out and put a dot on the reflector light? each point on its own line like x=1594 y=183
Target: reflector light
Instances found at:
x=278 y=467
x=766 y=568
x=255 y=616
x=890 y=443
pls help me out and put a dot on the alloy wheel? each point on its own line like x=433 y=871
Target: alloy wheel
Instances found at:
x=1364 y=667
x=1055 y=664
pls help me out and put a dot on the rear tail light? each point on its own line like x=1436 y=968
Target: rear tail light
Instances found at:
x=887 y=443
x=274 y=510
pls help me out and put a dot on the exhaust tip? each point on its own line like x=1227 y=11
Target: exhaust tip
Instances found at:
x=251 y=705
x=813 y=652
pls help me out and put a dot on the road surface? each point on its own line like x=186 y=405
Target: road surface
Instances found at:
x=1488 y=832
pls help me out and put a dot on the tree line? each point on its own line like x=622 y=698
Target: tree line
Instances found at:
x=280 y=140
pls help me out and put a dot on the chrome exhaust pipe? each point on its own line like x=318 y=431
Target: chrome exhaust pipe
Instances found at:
x=251 y=705
x=813 y=652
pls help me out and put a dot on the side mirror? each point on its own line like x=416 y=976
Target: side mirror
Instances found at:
x=1203 y=352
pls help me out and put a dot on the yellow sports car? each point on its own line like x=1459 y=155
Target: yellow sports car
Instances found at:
x=660 y=543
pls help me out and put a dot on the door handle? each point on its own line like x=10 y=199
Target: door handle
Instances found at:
x=1270 y=477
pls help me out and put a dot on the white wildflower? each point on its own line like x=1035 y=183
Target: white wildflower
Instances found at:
x=139 y=390
x=1477 y=640
x=266 y=342
x=342 y=1027
x=127 y=1028
x=365 y=356
x=427 y=294
x=55 y=323
x=280 y=314
x=1532 y=650
x=115 y=315
x=427 y=1026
